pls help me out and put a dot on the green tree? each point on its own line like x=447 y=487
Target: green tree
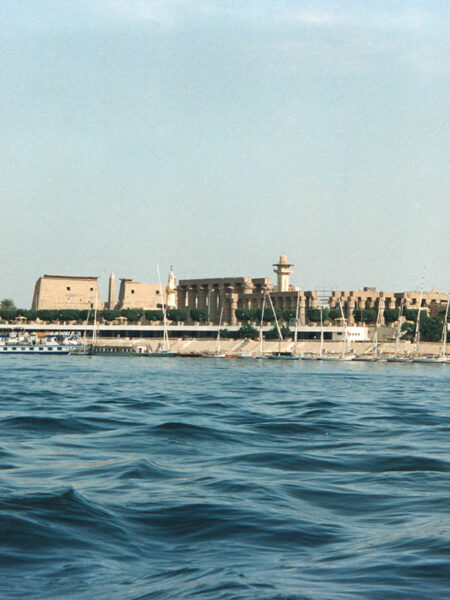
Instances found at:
x=176 y=315
x=245 y=315
x=272 y=334
x=430 y=329
x=313 y=315
x=289 y=314
x=286 y=333
x=408 y=330
x=249 y=332
x=411 y=314
x=50 y=316
x=226 y=334
x=7 y=304
x=8 y=314
x=30 y=315
x=199 y=315
x=154 y=315
x=365 y=315
x=111 y=315
x=269 y=315
x=334 y=314
x=391 y=315
x=133 y=315
x=69 y=314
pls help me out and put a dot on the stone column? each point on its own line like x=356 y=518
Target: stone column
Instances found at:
x=380 y=310
x=182 y=297
x=213 y=311
x=350 y=309
x=302 y=309
x=233 y=306
x=202 y=296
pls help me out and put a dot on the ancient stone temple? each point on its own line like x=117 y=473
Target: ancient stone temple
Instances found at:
x=62 y=291
x=221 y=297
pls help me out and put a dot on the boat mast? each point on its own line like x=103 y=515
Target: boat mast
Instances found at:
x=377 y=324
x=261 y=324
x=417 y=333
x=165 y=332
x=445 y=329
x=321 y=331
x=280 y=336
x=218 y=331
x=399 y=330
x=296 y=322
x=94 y=331
x=344 y=348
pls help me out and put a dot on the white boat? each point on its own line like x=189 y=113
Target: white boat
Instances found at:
x=279 y=355
x=32 y=345
x=261 y=354
x=217 y=353
x=163 y=350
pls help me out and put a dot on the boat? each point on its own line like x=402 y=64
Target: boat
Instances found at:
x=319 y=356
x=344 y=356
x=32 y=345
x=217 y=353
x=163 y=350
x=261 y=354
x=374 y=349
x=279 y=355
x=442 y=358
x=113 y=351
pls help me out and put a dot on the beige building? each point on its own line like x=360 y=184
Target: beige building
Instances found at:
x=134 y=294
x=221 y=297
x=61 y=291
x=370 y=299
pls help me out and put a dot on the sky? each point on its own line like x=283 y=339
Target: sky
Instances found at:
x=216 y=135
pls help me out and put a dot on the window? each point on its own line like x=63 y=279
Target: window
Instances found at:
x=92 y=289
x=68 y=288
x=41 y=349
x=132 y=291
x=59 y=347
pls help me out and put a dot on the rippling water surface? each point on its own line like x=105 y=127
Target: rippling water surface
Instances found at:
x=139 y=478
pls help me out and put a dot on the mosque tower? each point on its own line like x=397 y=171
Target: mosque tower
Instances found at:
x=112 y=292
x=283 y=271
x=172 y=290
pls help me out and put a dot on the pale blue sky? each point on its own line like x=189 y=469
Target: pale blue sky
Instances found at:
x=215 y=136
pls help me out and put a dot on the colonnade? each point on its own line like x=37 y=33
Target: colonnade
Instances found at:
x=222 y=300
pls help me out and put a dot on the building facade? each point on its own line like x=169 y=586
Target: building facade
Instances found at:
x=61 y=292
x=221 y=297
x=370 y=299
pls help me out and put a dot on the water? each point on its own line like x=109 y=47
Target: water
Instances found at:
x=138 y=478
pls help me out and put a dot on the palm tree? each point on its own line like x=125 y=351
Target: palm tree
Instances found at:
x=7 y=304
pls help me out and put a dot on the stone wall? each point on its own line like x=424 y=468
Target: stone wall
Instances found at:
x=62 y=292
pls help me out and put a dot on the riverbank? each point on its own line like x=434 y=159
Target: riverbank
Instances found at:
x=235 y=347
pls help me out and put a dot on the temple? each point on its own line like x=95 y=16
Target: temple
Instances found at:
x=221 y=297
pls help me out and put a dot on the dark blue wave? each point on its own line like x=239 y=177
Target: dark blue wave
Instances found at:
x=135 y=479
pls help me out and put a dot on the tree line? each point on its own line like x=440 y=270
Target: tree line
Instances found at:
x=430 y=327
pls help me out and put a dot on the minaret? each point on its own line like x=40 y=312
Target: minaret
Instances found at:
x=283 y=270
x=112 y=292
x=172 y=290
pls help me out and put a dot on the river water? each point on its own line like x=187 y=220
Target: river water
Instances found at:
x=126 y=478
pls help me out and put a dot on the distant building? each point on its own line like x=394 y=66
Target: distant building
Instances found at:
x=134 y=294
x=369 y=299
x=221 y=297
x=62 y=291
